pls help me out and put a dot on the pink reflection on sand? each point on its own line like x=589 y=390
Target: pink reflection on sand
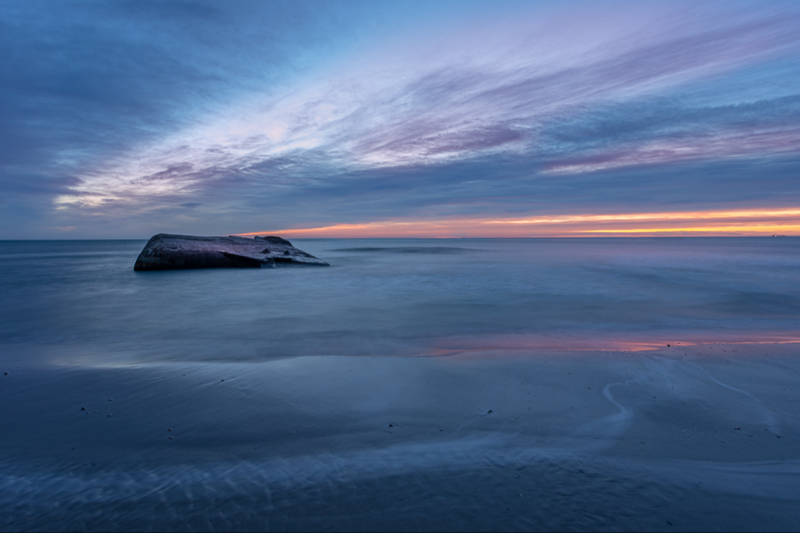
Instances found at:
x=632 y=343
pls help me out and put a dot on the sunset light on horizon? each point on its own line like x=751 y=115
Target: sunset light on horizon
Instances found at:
x=783 y=222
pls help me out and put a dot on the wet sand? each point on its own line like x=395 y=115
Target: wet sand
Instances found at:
x=680 y=438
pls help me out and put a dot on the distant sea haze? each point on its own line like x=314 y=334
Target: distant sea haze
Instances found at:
x=397 y=297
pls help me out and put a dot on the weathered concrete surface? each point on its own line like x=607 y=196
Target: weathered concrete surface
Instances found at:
x=176 y=252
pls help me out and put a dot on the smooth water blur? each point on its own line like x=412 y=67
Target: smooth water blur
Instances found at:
x=390 y=297
x=110 y=424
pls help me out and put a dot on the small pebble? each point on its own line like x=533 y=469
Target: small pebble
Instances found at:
x=489 y=411
x=170 y=438
x=222 y=380
x=170 y=429
x=83 y=408
x=109 y=416
x=737 y=429
x=5 y=373
x=390 y=425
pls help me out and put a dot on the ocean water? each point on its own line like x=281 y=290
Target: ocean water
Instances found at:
x=452 y=384
x=82 y=299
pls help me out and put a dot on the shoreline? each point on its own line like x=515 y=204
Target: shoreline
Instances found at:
x=284 y=432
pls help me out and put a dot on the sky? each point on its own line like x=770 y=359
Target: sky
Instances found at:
x=399 y=119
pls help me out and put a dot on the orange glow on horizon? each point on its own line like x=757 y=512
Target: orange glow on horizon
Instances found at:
x=750 y=222
x=721 y=229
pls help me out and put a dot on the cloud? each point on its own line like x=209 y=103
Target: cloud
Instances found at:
x=250 y=111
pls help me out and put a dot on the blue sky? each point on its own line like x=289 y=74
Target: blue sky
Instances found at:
x=125 y=119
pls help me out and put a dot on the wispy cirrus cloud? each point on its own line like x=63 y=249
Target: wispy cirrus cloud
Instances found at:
x=513 y=102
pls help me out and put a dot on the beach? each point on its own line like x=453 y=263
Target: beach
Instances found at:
x=459 y=407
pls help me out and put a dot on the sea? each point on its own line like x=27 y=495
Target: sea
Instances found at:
x=414 y=384
x=395 y=297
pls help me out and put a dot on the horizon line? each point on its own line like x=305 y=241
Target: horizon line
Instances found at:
x=574 y=237
x=740 y=223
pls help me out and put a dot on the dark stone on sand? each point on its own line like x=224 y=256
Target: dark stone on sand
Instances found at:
x=83 y=408
x=179 y=252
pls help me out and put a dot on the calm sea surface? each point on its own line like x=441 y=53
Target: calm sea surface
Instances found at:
x=391 y=297
x=211 y=400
